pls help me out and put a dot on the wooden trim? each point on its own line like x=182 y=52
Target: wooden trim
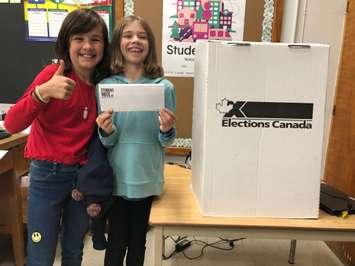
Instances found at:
x=119 y=10
x=277 y=21
x=340 y=167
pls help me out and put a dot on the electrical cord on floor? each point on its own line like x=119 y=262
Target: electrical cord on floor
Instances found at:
x=176 y=241
x=188 y=160
x=169 y=256
x=186 y=164
x=229 y=242
x=182 y=243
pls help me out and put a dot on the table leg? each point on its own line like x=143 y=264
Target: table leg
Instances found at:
x=291 y=257
x=157 y=245
x=18 y=246
x=15 y=219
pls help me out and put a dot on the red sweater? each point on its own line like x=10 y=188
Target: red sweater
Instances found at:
x=59 y=131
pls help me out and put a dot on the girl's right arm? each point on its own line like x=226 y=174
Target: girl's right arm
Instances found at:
x=21 y=115
x=50 y=83
x=107 y=130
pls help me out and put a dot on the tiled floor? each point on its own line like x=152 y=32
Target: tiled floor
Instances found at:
x=248 y=252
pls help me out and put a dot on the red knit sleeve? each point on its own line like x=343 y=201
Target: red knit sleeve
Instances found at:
x=21 y=115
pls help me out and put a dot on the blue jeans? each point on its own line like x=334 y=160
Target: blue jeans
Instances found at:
x=50 y=205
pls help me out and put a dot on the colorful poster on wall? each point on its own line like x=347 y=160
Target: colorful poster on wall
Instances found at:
x=186 y=21
x=44 y=17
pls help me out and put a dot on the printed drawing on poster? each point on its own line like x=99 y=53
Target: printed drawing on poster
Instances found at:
x=186 y=21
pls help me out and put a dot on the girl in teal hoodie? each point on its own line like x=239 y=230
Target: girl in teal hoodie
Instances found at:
x=135 y=142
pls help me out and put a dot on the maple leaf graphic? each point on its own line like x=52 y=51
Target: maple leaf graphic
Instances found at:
x=224 y=106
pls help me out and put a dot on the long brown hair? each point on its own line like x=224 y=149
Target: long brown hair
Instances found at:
x=82 y=21
x=151 y=67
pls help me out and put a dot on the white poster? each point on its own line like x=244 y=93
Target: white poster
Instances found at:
x=55 y=20
x=185 y=21
x=37 y=22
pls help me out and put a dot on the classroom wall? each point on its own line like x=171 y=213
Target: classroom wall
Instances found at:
x=152 y=12
x=318 y=21
x=289 y=20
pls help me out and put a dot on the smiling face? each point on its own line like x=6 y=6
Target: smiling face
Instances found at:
x=86 y=51
x=134 y=44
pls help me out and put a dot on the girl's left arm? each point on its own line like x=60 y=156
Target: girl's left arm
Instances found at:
x=167 y=138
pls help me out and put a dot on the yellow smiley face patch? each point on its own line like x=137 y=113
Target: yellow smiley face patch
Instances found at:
x=36 y=237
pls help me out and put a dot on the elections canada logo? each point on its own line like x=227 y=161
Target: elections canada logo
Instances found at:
x=252 y=114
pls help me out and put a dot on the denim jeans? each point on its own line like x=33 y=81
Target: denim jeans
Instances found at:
x=51 y=208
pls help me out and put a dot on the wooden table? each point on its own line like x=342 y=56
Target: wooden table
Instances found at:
x=12 y=166
x=180 y=151
x=176 y=213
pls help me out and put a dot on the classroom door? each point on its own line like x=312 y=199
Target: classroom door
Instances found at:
x=340 y=166
x=340 y=161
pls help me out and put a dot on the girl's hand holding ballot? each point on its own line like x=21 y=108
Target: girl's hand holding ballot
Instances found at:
x=104 y=121
x=166 y=119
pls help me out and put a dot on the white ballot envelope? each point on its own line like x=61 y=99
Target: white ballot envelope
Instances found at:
x=131 y=97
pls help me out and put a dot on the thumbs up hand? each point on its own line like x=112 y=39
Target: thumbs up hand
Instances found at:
x=58 y=87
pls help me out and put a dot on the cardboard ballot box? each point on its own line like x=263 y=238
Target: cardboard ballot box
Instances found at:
x=258 y=118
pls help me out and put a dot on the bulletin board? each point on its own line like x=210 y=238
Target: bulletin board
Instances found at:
x=21 y=59
x=152 y=11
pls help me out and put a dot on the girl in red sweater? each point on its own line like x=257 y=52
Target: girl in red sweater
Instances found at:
x=60 y=107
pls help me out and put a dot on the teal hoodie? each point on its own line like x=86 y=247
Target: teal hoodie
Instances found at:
x=136 y=147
